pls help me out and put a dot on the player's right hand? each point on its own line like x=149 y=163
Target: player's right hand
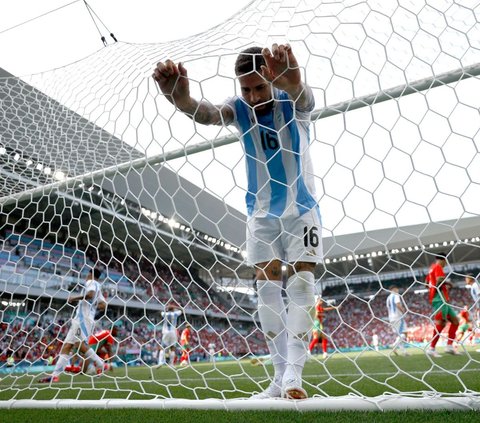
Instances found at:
x=173 y=81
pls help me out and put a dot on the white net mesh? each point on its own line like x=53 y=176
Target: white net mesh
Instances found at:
x=98 y=169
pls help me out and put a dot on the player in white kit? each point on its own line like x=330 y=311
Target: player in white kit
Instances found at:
x=169 y=332
x=396 y=315
x=284 y=225
x=475 y=292
x=81 y=327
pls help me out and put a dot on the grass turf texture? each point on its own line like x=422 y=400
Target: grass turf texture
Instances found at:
x=367 y=374
x=199 y=416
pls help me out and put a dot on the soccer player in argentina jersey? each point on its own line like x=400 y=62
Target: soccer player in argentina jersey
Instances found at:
x=442 y=310
x=169 y=331
x=396 y=316
x=81 y=327
x=283 y=226
x=475 y=292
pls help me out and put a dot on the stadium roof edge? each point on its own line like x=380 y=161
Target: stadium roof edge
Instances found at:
x=402 y=237
x=157 y=188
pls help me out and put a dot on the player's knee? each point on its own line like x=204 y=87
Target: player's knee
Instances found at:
x=271 y=270
x=303 y=266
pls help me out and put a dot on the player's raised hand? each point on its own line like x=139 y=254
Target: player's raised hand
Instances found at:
x=281 y=67
x=173 y=81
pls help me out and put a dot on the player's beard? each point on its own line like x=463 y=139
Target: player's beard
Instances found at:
x=263 y=108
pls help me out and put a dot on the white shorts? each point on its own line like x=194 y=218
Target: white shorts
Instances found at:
x=290 y=239
x=169 y=338
x=79 y=331
x=399 y=326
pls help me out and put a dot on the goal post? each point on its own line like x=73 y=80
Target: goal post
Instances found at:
x=105 y=173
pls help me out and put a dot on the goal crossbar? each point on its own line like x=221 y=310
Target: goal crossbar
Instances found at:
x=342 y=107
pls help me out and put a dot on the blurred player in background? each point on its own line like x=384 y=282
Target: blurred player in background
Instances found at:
x=81 y=326
x=375 y=341
x=211 y=351
x=185 y=339
x=169 y=331
x=475 y=292
x=102 y=343
x=161 y=357
x=396 y=315
x=442 y=310
x=318 y=332
x=465 y=325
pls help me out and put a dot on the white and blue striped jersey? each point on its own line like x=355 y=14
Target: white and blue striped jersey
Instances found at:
x=170 y=319
x=279 y=168
x=86 y=309
x=475 y=292
x=394 y=312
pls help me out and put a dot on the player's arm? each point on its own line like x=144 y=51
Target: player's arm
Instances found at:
x=90 y=294
x=101 y=308
x=102 y=303
x=172 y=80
x=283 y=72
x=109 y=349
x=330 y=308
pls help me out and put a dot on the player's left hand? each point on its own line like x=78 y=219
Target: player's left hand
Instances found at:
x=281 y=67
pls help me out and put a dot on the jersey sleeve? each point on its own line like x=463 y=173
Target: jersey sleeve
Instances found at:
x=230 y=103
x=475 y=292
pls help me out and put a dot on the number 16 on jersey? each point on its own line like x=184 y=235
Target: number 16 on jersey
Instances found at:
x=310 y=236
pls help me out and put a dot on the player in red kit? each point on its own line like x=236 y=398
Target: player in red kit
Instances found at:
x=318 y=332
x=185 y=344
x=465 y=324
x=102 y=342
x=442 y=310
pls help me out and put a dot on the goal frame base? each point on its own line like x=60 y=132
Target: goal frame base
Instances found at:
x=428 y=401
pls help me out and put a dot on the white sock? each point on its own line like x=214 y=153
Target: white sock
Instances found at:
x=301 y=302
x=272 y=315
x=397 y=342
x=62 y=362
x=90 y=354
x=402 y=342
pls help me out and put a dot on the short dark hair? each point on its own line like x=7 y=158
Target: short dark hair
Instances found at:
x=96 y=272
x=249 y=60
x=441 y=256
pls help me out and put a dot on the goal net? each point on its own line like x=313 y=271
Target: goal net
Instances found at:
x=99 y=170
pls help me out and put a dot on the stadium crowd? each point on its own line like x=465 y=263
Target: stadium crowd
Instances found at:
x=32 y=337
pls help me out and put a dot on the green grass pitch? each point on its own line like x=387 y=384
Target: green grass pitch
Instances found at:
x=369 y=374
